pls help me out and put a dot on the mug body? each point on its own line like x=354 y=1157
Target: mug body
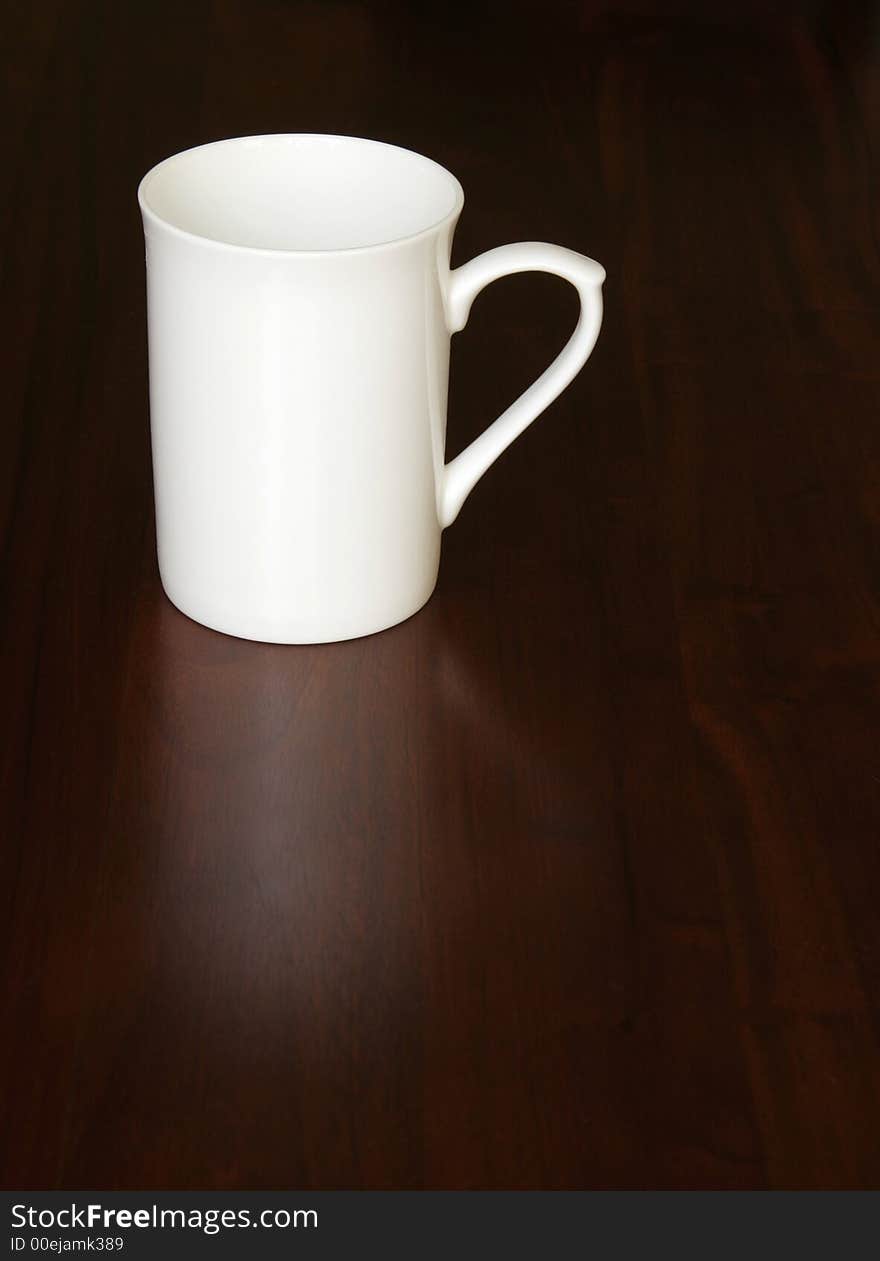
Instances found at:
x=299 y=353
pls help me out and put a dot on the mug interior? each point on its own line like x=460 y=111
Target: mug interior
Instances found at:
x=300 y=192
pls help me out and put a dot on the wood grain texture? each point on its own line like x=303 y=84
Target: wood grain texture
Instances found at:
x=573 y=880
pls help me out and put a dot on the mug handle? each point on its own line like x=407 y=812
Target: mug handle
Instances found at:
x=461 y=474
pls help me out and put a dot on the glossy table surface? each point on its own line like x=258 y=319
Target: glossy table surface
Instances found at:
x=573 y=880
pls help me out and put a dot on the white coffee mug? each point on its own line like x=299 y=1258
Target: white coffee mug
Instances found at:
x=300 y=308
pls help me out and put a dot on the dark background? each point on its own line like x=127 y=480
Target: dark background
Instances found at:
x=573 y=880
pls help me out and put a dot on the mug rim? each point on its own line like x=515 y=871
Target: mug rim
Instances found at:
x=154 y=218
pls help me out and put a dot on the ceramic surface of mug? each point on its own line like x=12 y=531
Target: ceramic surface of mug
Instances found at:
x=300 y=309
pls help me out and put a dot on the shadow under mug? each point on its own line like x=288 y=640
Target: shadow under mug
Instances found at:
x=300 y=309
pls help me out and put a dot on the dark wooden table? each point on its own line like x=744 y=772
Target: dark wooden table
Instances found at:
x=573 y=880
